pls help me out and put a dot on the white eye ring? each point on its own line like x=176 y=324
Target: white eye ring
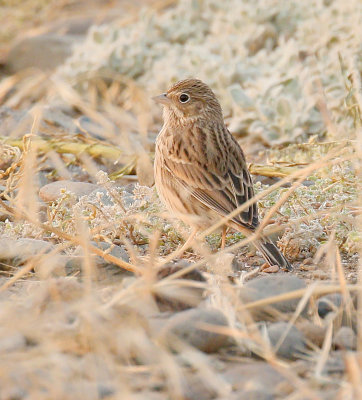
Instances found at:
x=184 y=98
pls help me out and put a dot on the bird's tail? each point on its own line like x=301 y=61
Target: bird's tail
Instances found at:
x=272 y=254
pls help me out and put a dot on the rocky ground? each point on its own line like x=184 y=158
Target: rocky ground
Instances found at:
x=95 y=302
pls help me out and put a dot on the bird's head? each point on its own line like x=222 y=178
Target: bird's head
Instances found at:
x=190 y=100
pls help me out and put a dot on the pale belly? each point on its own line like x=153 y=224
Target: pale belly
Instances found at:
x=179 y=201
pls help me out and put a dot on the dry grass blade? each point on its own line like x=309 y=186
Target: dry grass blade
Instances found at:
x=273 y=170
x=75 y=240
x=301 y=174
x=299 y=309
x=113 y=153
x=325 y=351
x=94 y=149
x=318 y=290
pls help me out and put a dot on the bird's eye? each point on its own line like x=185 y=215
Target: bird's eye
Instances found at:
x=184 y=98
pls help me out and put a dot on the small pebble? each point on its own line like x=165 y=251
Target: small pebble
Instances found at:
x=345 y=339
x=292 y=346
x=271 y=269
x=329 y=303
x=52 y=191
x=105 y=268
x=187 y=325
x=319 y=274
x=269 y=286
x=176 y=297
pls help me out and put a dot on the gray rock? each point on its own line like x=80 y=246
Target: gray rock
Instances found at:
x=188 y=326
x=345 y=339
x=333 y=307
x=105 y=268
x=23 y=249
x=45 y=52
x=308 y=183
x=254 y=376
x=115 y=251
x=176 y=297
x=329 y=303
x=293 y=345
x=53 y=191
x=270 y=286
x=18 y=251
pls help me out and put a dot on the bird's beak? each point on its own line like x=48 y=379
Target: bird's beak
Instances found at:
x=162 y=99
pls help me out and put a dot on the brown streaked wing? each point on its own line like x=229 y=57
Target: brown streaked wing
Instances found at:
x=242 y=183
x=209 y=184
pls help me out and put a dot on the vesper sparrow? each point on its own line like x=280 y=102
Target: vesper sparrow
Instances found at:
x=200 y=169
